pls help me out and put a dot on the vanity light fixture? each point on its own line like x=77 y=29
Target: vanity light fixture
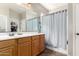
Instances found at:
x=25 y=5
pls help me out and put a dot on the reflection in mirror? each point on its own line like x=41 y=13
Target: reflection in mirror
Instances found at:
x=33 y=24
x=14 y=17
x=14 y=27
x=10 y=17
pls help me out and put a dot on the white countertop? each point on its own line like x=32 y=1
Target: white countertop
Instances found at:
x=6 y=37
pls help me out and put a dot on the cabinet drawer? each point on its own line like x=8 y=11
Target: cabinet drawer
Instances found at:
x=42 y=36
x=24 y=49
x=8 y=51
x=26 y=39
x=35 y=37
x=6 y=43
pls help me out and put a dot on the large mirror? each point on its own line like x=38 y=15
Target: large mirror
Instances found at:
x=13 y=17
x=24 y=17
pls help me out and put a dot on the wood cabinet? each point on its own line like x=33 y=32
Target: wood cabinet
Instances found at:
x=8 y=51
x=8 y=48
x=24 y=46
x=35 y=45
x=41 y=42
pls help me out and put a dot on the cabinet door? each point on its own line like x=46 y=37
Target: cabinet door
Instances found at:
x=8 y=51
x=35 y=45
x=42 y=43
x=24 y=49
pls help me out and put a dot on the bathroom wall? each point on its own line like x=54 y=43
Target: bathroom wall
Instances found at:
x=4 y=15
x=14 y=14
x=74 y=29
x=4 y=9
x=70 y=29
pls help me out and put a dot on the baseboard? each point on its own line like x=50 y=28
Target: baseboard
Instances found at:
x=54 y=49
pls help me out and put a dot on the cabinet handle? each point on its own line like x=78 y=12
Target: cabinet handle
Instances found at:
x=77 y=33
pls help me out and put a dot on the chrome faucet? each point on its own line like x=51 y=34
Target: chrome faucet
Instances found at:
x=11 y=34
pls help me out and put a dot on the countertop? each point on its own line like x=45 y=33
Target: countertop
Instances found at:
x=7 y=37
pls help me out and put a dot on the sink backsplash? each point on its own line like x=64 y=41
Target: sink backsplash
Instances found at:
x=1 y=34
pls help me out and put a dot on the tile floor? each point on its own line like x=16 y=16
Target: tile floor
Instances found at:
x=48 y=52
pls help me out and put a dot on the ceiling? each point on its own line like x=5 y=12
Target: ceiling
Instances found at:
x=36 y=7
x=17 y=8
x=13 y=6
x=45 y=7
x=51 y=6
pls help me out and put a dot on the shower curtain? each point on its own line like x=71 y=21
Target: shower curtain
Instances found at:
x=62 y=41
x=55 y=28
x=45 y=27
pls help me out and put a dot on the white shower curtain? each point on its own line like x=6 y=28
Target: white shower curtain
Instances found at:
x=63 y=29
x=45 y=27
x=54 y=30
x=55 y=27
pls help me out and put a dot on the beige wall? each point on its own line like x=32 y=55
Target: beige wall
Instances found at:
x=4 y=11
x=14 y=14
x=70 y=29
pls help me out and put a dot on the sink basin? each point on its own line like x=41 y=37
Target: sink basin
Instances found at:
x=19 y=33
x=11 y=34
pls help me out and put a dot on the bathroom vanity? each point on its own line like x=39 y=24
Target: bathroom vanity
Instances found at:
x=22 y=45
